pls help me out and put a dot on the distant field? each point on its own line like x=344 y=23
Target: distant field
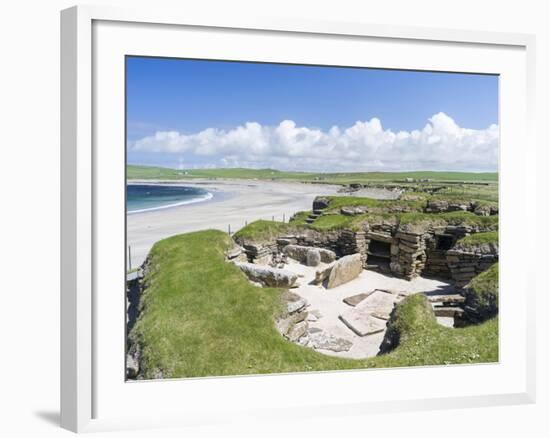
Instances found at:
x=146 y=172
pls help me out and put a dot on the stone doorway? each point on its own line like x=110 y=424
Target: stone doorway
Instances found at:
x=379 y=255
x=444 y=242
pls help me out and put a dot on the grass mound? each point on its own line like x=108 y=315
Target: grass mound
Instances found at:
x=262 y=230
x=482 y=296
x=376 y=205
x=421 y=340
x=478 y=239
x=427 y=220
x=201 y=317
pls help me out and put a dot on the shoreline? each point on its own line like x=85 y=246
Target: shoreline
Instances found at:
x=235 y=203
x=205 y=198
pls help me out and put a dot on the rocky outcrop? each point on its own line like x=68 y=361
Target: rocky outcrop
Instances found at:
x=344 y=270
x=268 y=276
x=300 y=253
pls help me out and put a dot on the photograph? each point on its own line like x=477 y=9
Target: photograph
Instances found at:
x=291 y=218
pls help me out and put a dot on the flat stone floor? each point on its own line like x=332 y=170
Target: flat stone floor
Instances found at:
x=329 y=303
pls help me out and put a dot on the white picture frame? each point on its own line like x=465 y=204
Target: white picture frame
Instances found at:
x=91 y=37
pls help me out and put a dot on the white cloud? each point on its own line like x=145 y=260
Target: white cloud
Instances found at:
x=440 y=145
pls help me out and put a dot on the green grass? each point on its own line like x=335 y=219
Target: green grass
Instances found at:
x=423 y=341
x=149 y=172
x=479 y=239
x=451 y=218
x=332 y=222
x=415 y=196
x=375 y=205
x=299 y=218
x=262 y=230
x=482 y=295
x=478 y=193
x=201 y=317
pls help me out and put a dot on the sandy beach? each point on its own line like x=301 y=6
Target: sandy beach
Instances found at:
x=234 y=203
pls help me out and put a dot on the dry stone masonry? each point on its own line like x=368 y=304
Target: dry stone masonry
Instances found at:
x=467 y=262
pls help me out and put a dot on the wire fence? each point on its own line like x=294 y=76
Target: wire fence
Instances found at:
x=231 y=229
x=284 y=218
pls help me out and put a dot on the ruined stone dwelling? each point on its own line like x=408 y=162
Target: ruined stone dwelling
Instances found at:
x=403 y=250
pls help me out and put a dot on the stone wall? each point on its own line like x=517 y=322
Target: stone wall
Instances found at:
x=260 y=253
x=413 y=251
x=466 y=263
x=342 y=242
x=443 y=206
x=436 y=262
x=408 y=254
x=353 y=242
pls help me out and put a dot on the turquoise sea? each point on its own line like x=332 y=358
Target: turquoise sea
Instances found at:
x=148 y=197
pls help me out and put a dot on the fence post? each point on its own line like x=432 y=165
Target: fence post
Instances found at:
x=229 y=229
x=272 y=218
x=283 y=218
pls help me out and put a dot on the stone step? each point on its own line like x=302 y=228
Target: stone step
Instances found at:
x=448 y=311
x=451 y=298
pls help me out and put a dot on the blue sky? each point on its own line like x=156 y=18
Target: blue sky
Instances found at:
x=190 y=113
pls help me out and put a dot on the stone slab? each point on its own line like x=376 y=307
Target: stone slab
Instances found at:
x=362 y=322
x=345 y=269
x=379 y=304
x=447 y=311
x=324 y=341
x=450 y=298
x=356 y=299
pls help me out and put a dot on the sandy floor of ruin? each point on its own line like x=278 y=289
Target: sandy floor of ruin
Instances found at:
x=330 y=305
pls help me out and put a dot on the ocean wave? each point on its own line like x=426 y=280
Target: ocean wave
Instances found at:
x=206 y=197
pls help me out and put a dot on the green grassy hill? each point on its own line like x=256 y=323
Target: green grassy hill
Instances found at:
x=147 y=172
